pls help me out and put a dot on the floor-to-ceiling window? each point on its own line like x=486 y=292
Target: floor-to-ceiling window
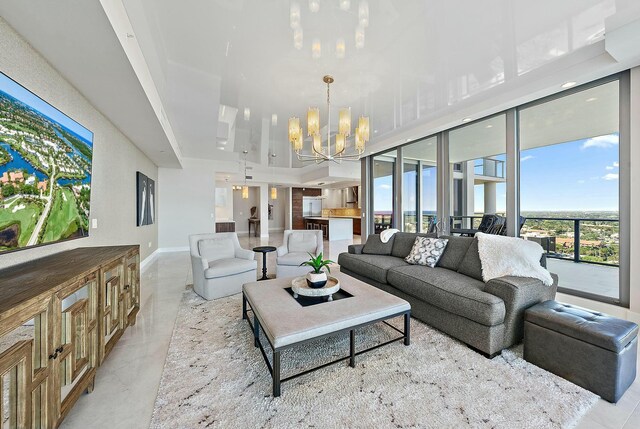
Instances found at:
x=410 y=179
x=568 y=189
x=383 y=169
x=478 y=172
x=419 y=185
x=569 y=186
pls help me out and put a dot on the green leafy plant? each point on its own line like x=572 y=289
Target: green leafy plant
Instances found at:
x=317 y=263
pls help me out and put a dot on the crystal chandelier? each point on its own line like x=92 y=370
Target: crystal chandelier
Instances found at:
x=337 y=151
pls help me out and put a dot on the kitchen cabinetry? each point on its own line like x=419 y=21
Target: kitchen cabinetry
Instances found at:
x=59 y=318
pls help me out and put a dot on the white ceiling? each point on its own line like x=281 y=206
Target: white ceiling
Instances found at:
x=422 y=61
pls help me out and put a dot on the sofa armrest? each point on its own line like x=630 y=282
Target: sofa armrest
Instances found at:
x=518 y=294
x=355 y=249
x=245 y=254
x=282 y=250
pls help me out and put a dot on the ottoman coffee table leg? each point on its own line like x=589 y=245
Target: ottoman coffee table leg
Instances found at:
x=352 y=348
x=256 y=330
x=407 y=329
x=276 y=373
x=244 y=306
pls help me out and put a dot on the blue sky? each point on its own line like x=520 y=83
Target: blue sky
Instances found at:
x=16 y=91
x=575 y=176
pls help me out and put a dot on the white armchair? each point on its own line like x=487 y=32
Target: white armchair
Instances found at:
x=295 y=249
x=220 y=266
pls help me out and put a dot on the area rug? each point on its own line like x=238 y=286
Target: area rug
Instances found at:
x=214 y=377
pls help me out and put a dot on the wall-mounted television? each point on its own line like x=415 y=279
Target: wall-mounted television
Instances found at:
x=45 y=171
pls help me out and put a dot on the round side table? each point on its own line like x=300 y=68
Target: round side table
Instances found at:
x=264 y=250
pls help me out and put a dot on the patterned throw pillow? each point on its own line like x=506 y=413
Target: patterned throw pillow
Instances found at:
x=426 y=251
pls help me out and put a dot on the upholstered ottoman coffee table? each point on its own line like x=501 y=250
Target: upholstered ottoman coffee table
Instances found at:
x=588 y=348
x=287 y=322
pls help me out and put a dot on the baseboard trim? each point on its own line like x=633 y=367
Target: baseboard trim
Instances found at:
x=148 y=260
x=173 y=249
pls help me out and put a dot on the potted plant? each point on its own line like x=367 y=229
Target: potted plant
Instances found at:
x=317 y=278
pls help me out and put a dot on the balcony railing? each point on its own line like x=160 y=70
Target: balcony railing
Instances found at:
x=489 y=167
x=582 y=240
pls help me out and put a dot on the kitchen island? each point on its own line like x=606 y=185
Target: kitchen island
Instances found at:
x=333 y=228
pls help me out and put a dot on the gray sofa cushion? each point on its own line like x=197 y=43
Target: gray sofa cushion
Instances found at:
x=450 y=291
x=403 y=242
x=454 y=253
x=471 y=265
x=375 y=246
x=374 y=267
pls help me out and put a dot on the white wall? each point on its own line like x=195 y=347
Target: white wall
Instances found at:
x=187 y=202
x=278 y=210
x=115 y=158
x=224 y=211
x=242 y=207
x=635 y=192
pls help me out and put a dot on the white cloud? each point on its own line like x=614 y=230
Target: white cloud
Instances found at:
x=526 y=158
x=611 y=176
x=384 y=187
x=580 y=182
x=603 y=142
x=614 y=166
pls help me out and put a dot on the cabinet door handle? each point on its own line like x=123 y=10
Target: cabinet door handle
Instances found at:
x=60 y=349
x=53 y=356
x=126 y=287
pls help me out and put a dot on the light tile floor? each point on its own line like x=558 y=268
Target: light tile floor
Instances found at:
x=127 y=383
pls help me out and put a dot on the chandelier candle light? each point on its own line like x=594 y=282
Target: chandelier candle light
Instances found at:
x=321 y=153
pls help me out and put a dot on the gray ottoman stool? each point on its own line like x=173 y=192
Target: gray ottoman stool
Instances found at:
x=588 y=348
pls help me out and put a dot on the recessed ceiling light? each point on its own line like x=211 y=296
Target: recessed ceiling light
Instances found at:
x=222 y=142
x=568 y=84
x=274 y=119
x=375 y=131
x=489 y=126
x=466 y=120
x=345 y=4
x=589 y=100
x=221 y=147
x=247 y=113
x=314 y=5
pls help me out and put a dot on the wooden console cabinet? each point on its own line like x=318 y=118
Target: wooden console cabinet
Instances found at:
x=60 y=316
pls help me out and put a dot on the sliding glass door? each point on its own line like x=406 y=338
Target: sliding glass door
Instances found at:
x=569 y=186
x=477 y=155
x=383 y=176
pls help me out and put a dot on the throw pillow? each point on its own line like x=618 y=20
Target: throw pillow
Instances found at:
x=426 y=251
x=375 y=246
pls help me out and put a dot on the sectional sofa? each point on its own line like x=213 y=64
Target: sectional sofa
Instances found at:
x=451 y=297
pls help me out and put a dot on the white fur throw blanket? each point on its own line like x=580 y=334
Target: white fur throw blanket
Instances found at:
x=509 y=256
x=386 y=235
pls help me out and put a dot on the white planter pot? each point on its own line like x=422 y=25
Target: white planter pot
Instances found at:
x=316 y=280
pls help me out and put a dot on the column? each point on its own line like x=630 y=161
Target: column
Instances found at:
x=490 y=190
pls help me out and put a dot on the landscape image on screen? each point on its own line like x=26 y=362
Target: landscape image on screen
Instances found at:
x=45 y=171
